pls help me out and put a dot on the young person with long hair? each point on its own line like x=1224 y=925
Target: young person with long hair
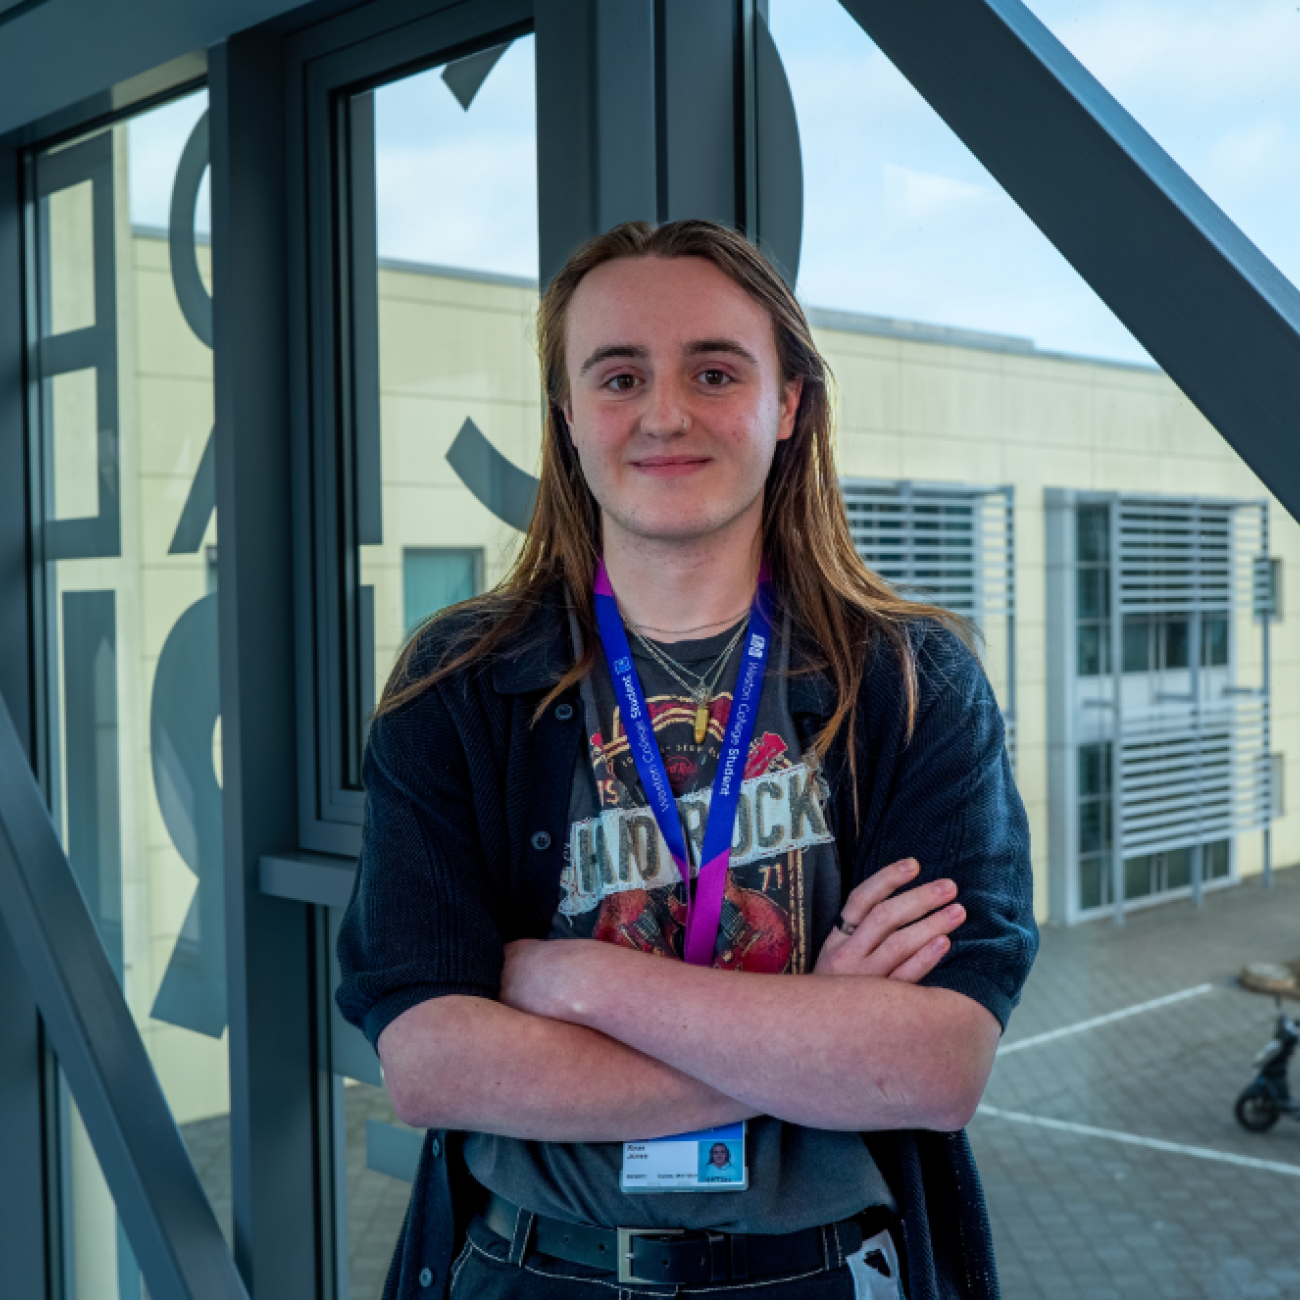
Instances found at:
x=688 y=748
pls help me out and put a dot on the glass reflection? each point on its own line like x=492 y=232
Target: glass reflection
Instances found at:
x=450 y=454
x=130 y=739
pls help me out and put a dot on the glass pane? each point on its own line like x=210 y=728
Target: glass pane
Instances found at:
x=946 y=245
x=1175 y=634
x=1214 y=640
x=433 y=579
x=1093 y=534
x=1094 y=769
x=967 y=354
x=1138 y=873
x=1092 y=829
x=1215 y=84
x=455 y=441
x=1094 y=650
x=1137 y=645
x=1218 y=860
x=1178 y=869
x=1094 y=876
x=131 y=742
x=459 y=420
x=381 y=1160
x=1094 y=593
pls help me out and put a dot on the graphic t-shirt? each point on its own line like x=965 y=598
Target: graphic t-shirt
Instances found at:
x=620 y=885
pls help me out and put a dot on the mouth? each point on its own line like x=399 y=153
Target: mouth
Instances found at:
x=669 y=466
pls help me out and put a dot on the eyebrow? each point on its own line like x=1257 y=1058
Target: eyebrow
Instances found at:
x=613 y=350
x=696 y=347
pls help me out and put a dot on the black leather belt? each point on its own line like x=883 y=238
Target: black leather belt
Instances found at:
x=683 y=1258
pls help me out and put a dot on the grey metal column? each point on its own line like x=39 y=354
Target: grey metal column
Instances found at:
x=22 y=1175
x=1266 y=673
x=698 y=100
x=1195 y=653
x=596 y=158
x=268 y=951
x=1115 y=593
x=1197 y=294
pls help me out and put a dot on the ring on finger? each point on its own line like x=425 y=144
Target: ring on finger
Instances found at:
x=846 y=928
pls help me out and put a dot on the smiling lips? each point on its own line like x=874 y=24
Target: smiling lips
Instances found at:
x=669 y=466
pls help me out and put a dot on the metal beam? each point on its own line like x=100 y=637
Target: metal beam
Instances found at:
x=596 y=161
x=268 y=952
x=1220 y=319
x=22 y=1174
x=172 y=1229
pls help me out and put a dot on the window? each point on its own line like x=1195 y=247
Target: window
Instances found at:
x=1093 y=609
x=442 y=424
x=1181 y=732
x=432 y=579
x=1094 y=825
x=131 y=751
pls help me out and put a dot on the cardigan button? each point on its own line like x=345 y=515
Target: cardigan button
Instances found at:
x=435 y=1148
x=426 y=1277
x=541 y=841
x=564 y=712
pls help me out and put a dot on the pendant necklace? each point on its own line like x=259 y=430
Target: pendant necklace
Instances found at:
x=704 y=689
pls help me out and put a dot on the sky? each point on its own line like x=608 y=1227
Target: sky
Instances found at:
x=899 y=218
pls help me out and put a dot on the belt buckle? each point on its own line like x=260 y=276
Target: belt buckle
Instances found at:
x=625 y=1236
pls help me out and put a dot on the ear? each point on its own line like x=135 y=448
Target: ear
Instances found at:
x=790 y=397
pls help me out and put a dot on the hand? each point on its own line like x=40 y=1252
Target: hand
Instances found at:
x=902 y=938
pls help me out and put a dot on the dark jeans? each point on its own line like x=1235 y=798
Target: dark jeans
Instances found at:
x=484 y=1272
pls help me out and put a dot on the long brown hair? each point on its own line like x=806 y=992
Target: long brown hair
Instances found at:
x=838 y=607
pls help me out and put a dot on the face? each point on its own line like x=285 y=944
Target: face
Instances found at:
x=676 y=402
x=718 y=1155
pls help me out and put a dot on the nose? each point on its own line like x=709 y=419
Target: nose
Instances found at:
x=666 y=413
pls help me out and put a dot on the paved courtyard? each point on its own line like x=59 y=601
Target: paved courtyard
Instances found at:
x=1080 y=1214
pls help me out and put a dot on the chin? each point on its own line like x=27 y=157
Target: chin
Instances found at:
x=677 y=521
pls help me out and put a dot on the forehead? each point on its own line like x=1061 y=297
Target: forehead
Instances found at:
x=661 y=302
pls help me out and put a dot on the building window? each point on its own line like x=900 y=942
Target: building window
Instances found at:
x=1167 y=742
x=433 y=578
x=1092 y=527
x=949 y=545
x=1094 y=825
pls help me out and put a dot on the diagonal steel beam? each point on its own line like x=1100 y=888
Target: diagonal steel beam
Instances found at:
x=1214 y=312
x=173 y=1233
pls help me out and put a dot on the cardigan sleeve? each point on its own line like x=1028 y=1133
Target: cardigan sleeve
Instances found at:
x=953 y=805
x=419 y=924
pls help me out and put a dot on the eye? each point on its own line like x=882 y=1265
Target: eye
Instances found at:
x=621 y=383
x=714 y=378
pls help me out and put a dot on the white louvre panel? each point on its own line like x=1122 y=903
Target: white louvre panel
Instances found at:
x=1194 y=762
x=1184 y=787
x=950 y=545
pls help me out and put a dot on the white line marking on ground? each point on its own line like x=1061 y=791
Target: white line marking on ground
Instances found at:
x=1066 y=1030
x=1153 y=1144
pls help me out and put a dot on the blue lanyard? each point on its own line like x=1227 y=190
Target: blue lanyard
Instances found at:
x=704 y=912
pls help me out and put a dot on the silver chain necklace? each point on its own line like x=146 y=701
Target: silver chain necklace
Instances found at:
x=703 y=691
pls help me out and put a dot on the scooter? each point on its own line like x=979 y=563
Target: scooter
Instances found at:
x=1269 y=1096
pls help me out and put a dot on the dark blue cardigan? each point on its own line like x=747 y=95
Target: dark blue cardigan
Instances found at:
x=461 y=781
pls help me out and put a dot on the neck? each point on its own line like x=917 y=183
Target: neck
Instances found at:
x=674 y=589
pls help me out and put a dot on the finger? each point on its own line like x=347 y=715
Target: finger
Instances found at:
x=904 y=909
x=902 y=945
x=920 y=964
x=875 y=889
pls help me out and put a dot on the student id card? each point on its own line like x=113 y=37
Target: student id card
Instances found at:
x=708 y=1160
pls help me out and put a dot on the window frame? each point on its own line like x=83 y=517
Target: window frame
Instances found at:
x=326 y=65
